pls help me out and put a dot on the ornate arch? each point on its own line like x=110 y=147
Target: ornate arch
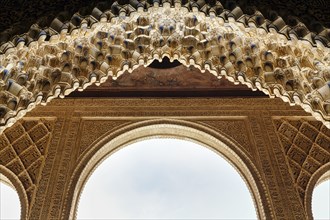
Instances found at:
x=114 y=141
x=322 y=174
x=15 y=183
x=248 y=49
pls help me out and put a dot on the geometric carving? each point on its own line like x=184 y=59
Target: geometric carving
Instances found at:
x=90 y=49
x=22 y=150
x=83 y=125
x=307 y=147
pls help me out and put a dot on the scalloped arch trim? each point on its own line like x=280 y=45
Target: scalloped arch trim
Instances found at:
x=294 y=70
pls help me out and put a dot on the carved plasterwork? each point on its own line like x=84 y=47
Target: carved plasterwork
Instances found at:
x=306 y=145
x=305 y=19
x=237 y=129
x=246 y=125
x=76 y=57
x=169 y=128
x=23 y=149
x=91 y=130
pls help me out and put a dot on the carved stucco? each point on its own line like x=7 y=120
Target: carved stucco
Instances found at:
x=269 y=133
x=23 y=149
x=173 y=129
x=100 y=127
x=306 y=144
x=250 y=127
x=310 y=17
x=75 y=57
x=236 y=128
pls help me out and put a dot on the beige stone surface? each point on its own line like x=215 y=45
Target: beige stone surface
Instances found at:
x=277 y=149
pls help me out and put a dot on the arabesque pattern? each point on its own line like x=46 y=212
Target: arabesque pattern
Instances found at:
x=76 y=57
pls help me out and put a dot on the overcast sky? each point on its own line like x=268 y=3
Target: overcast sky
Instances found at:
x=165 y=178
x=9 y=203
x=321 y=201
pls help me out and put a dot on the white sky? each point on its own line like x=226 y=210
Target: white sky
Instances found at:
x=9 y=203
x=165 y=178
x=321 y=201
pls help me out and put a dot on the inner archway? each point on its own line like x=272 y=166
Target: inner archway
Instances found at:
x=10 y=206
x=320 y=177
x=321 y=200
x=174 y=129
x=165 y=178
x=9 y=202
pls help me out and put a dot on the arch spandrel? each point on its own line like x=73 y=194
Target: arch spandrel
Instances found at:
x=127 y=37
x=168 y=129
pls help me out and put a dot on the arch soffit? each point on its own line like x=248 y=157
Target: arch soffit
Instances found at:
x=77 y=56
x=321 y=175
x=112 y=142
x=16 y=184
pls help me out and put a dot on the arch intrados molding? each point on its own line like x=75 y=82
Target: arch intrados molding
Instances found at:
x=321 y=175
x=206 y=137
x=19 y=188
x=291 y=69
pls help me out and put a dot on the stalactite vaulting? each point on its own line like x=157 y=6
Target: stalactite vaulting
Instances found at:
x=46 y=63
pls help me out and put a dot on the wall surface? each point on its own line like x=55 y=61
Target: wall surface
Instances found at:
x=47 y=148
